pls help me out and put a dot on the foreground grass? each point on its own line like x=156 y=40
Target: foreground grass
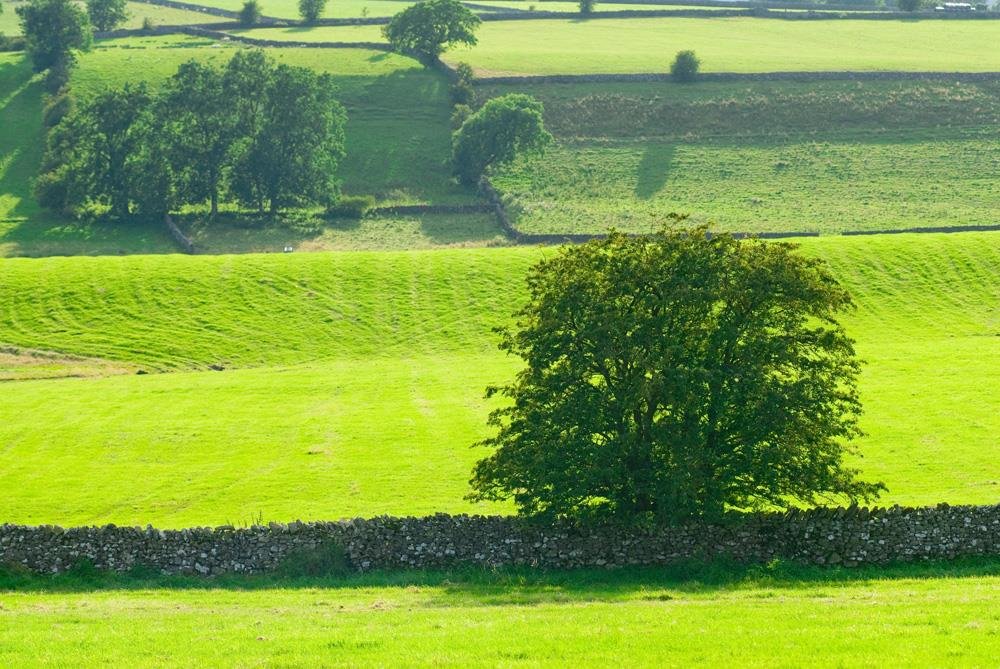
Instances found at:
x=560 y=46
x=918 y=616
x=365 y=375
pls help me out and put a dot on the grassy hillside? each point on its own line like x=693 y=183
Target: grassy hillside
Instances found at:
x=398 y=142
x=368 y=370
x=825 y=185
x=559 y=46
x=918 y=616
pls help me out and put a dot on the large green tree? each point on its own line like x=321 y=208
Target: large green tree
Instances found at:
x=291 y=158
x=53 y=31
x=505 y=127
x=197 y=113
x=428 y=28
x=94 y=155
x=675 y=375
x=107 y=14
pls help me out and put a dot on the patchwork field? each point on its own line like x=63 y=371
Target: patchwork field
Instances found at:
x=201 y=390
x=723 y=44
x=352 y=383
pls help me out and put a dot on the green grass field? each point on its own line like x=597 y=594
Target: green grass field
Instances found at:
x=353 y=382
x=723 y=44
x=819 y=186
x=917 y=616
x=761 y=156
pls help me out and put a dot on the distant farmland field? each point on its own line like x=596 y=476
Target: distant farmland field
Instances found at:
x=352 y=383
x=761 y=156
x=559 y=46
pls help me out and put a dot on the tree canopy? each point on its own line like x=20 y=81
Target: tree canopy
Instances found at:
x=107 y=14
x=505 y=127
x=268 y=136
x=428 y=28
x=674 y=376
x=53 y=31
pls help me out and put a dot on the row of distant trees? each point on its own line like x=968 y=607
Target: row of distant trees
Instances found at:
x=263 y=135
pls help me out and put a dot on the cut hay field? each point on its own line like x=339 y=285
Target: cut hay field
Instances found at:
x=918 y=616
x=761 y=156
x=352 y=383
x=559 y=46
x=398 y=142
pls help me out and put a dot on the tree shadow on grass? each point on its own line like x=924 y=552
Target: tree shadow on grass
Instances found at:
x=524 y=586
x=653 y=170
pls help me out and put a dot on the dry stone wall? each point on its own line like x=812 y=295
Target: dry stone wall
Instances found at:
x=820 y=536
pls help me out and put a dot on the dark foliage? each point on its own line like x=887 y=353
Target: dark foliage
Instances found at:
x=672 y=376
x=429 y=27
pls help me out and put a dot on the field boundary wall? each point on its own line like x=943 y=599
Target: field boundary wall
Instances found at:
x=822 y=536
x=656 y=77
x=179 y=237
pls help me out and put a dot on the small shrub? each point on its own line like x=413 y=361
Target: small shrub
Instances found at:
x=459 y=114
x=351 y=206
x=57 y=76
x=462 y=93
x=15 y=43
x=685 y=66
x=250 y=13
x=587 y=6
x=147 y=24
x=311 y=10
x=57 y=107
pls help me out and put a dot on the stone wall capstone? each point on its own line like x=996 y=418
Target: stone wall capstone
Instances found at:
x=849 y=537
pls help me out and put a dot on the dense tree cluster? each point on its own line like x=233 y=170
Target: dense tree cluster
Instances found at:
x=674 y=376
x=429 y=27
x=267 y=136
